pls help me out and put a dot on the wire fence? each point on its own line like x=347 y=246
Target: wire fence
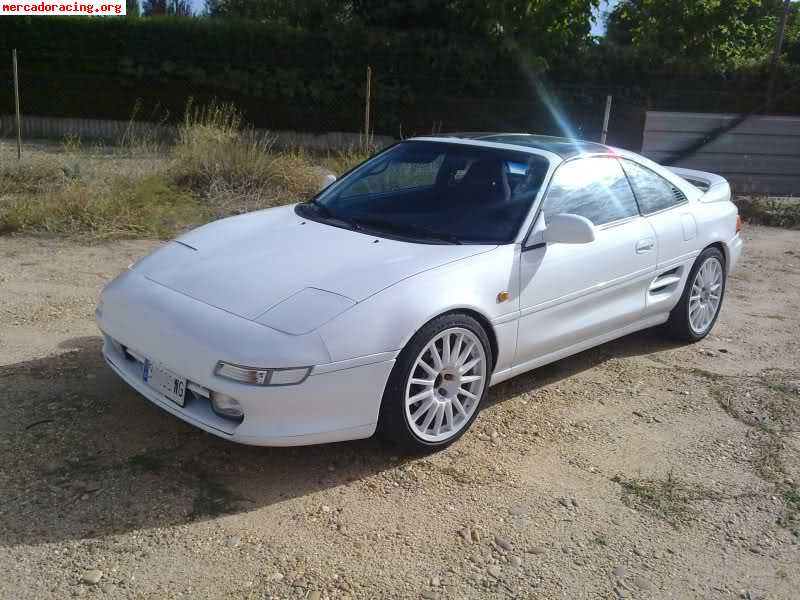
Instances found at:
x=402 y=103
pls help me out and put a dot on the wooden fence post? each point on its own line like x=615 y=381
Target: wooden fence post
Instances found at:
x=606 y=117
x=16 y=103
x=366 y=108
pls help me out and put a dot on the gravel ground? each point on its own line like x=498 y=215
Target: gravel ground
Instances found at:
x=638 y=469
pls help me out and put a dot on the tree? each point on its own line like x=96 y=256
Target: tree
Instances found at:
x=548 y=23
x=132 y=8
x=176 y=8
x=568 y=20
x=791 y=42
x=725 y=32
x=303 y=14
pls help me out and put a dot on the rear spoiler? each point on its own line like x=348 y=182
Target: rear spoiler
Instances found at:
x=714 y=187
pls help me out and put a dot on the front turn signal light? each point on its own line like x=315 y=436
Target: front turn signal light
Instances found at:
x=257 y=376
x=738 y=223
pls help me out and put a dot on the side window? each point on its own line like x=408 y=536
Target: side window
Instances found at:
x=595 y=188
x=653 y=192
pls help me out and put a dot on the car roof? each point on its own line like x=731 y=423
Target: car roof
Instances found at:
x=563 y=147
x=559 y=148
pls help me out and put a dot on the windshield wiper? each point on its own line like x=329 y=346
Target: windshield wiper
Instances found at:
x=333 y=219
x=414 y=230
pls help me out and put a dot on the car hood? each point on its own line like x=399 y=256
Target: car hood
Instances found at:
x=250 y=263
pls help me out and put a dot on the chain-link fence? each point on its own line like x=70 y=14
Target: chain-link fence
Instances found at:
x=110 y=100
x=396 y=110
x=402 y=103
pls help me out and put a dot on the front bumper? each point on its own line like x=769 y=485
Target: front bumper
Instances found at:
x=338 y=401
x=734 y=252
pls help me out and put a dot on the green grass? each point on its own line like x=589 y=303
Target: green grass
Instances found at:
x=600 y=539
x=791 y=513
x=770 y=405
x=148 y=207
x=668 y=498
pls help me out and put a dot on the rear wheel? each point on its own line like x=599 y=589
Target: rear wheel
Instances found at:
x=437 y=385
x=697 y=311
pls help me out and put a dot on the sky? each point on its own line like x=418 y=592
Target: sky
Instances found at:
x=598 y=27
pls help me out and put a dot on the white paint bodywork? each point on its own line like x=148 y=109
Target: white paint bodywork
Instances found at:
x=271 y=289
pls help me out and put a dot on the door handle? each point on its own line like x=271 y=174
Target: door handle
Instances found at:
x=645 y=245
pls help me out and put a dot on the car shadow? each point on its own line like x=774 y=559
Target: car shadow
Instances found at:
x=83 y=455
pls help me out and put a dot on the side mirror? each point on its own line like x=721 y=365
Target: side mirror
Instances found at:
x=569 y=229
x=327 y=180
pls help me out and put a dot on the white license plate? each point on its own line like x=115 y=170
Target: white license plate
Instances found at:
x=164 y=381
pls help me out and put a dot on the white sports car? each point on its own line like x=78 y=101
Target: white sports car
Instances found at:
x=397 y=296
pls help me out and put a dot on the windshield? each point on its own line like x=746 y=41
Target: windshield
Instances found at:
x=436 y=192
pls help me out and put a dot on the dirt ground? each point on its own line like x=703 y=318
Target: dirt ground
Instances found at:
x=638 y=469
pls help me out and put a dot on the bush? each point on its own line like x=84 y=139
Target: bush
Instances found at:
x=218 y=167
x=776 y=212
x=231 y=167
x=341 y=161
x=130 y=208
x=30 y=175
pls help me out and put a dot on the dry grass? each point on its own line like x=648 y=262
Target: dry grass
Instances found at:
x=233 y=168
x=146 y=207
x=341 y=161
x=142 y=138
x=217 y=167
x=30 y=175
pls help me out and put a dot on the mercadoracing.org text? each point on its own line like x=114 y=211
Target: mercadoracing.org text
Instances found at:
x=87 y=7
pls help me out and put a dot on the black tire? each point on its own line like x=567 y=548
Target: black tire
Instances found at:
x=678 y=326
x=393 y=425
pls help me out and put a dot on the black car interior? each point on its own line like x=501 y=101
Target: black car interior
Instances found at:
x=475 y=195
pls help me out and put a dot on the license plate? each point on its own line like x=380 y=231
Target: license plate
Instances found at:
x=164 y=381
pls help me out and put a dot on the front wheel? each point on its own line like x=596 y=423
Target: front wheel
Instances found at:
x=697 y=311
x=437 y=385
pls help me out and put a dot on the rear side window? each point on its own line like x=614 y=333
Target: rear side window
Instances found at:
x=595 y=188
x=653 y=192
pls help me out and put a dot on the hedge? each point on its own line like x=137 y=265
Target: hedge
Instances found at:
x=314 y=81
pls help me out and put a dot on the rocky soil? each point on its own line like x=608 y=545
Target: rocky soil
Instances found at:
x=640 y=469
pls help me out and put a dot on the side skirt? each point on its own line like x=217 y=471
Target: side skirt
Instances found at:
x=650 y=321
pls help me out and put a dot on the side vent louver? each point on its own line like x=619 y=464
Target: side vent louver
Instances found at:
x=679 y=195
x=667 y=281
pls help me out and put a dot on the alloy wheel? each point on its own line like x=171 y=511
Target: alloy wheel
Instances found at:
x=445 y=385
x=706 y=295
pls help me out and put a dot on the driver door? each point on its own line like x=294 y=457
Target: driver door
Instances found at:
x=574 y=296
